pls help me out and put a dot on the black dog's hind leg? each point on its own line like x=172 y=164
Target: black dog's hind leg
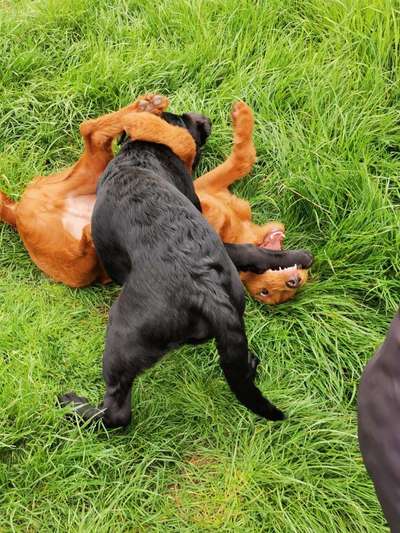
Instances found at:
x=125 y=357
x=239 y=366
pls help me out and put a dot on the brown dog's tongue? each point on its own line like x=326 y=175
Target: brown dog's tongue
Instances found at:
x=273 y=240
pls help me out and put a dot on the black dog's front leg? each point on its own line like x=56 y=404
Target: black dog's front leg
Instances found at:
x=250 y=258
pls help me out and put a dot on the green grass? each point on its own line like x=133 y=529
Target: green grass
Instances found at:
x=323 y=79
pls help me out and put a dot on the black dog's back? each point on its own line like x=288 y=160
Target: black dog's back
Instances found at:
x=162 y=233
x=163 y=248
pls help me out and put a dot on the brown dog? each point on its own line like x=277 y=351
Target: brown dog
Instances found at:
x=231 y=216
x=53 y=215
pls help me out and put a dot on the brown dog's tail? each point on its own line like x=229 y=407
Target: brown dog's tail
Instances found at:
x=7 y=209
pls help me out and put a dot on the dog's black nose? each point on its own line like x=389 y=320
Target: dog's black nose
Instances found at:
x=293 y=282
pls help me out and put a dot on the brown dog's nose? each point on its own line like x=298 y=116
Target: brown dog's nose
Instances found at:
x=293 y=282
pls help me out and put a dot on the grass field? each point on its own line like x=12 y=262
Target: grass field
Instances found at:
x=323 y=79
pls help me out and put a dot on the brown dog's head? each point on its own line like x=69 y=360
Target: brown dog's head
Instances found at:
x=274 y=286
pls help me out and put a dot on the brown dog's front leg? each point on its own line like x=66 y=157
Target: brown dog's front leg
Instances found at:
x=98 y=135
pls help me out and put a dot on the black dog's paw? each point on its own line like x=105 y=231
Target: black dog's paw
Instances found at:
x=288 y=258
x=269 y=411
x=81 y=407
x=70 y=398
x=306 y=259
x=253 y=364
x=262 y=259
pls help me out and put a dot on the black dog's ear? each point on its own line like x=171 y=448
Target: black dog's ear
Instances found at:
x=202 y=123
x=123 y=137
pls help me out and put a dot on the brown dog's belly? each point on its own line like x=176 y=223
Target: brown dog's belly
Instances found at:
x=77 y=214
x=51 y=229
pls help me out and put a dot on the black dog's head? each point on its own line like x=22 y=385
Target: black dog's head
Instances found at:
x=199 y=126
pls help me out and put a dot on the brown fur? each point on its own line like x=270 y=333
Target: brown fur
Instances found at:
x=231 y=216
x=66 y=198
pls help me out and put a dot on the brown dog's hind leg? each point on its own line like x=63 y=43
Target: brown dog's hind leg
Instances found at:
x=242 y=158
x=98 y=134
x=87 y=249
x=7 y=210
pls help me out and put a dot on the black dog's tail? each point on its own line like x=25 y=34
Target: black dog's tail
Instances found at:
x=239 y=367
x=237 y=363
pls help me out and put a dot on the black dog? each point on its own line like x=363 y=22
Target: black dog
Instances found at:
x=180 y=284
x=378 y=423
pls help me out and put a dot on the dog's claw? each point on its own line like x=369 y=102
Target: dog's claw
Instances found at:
x=70 y=398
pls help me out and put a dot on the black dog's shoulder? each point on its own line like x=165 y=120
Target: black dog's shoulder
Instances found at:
x=155 y=159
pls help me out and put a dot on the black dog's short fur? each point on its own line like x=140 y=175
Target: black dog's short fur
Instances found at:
x=179 y=283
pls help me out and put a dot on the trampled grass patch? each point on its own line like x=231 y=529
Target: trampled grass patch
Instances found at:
x=323 y=80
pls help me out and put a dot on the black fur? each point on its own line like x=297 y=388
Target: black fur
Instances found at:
x=179 y=284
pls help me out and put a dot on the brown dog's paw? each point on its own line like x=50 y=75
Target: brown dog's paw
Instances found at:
x=153 y=103
x=243 y=121
x=244 y=152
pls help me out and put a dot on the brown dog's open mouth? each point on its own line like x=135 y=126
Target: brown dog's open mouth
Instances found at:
x=273 y=240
